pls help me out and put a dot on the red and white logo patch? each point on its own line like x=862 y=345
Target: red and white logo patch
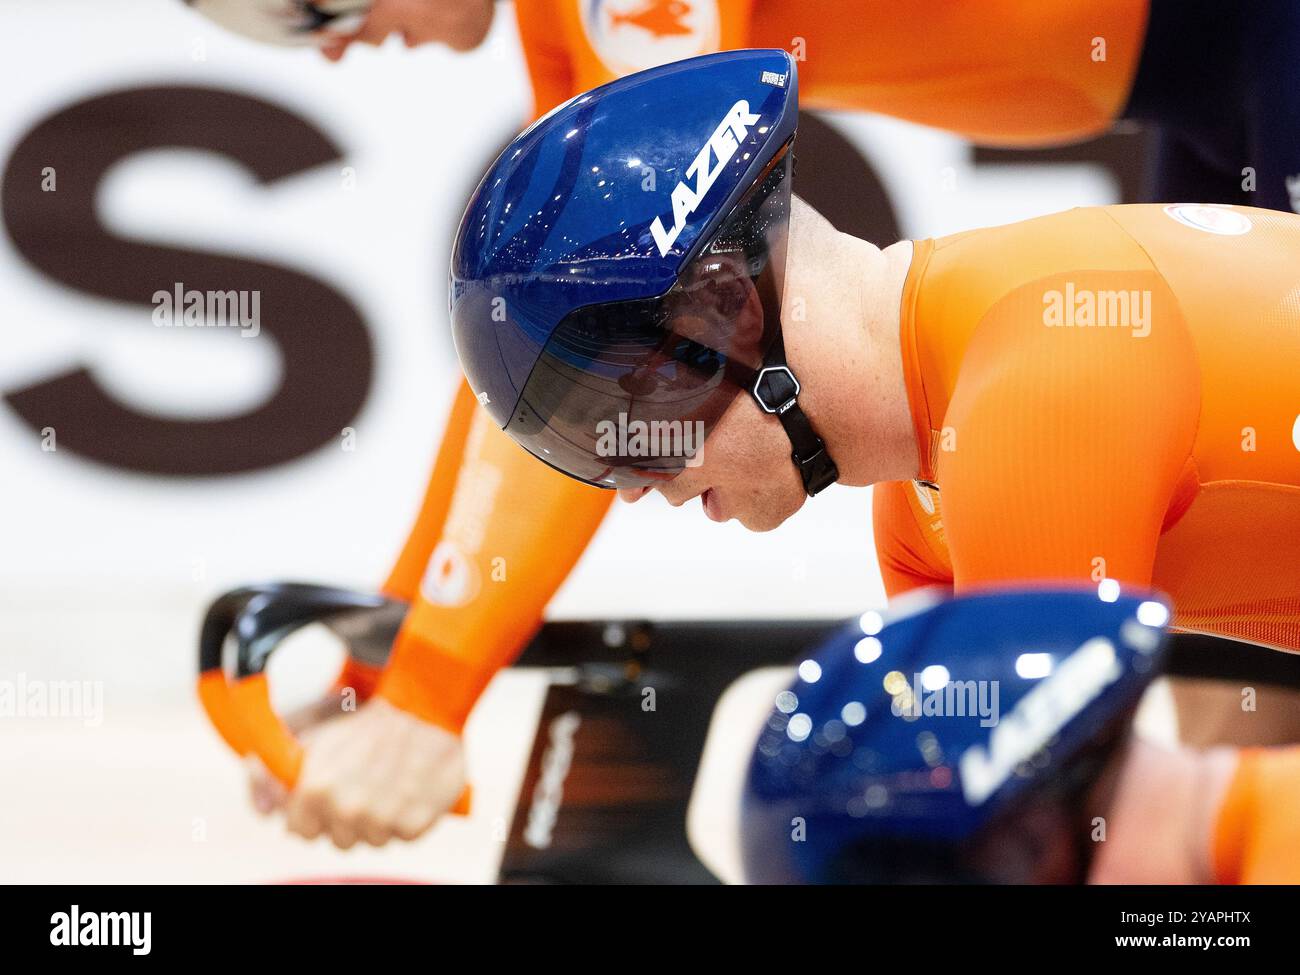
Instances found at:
x=451 y=578
x=632 y=35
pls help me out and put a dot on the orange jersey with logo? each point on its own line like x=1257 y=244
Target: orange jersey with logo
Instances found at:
x=1004 y=72
x=572 y=46
x=1110 y=392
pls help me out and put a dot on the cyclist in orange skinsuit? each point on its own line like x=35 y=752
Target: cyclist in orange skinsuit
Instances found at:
x=991 y=92
x=451 y=645
x=1041 y=77
x=1041 y=357
x=485 y=588
x=1105 y=395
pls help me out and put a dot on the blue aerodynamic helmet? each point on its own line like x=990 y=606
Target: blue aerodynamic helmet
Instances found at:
x=617 y=276
x=959 y=741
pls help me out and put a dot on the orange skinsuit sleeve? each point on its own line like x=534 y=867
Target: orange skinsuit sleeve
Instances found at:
x=550 y=65
x=513 y=529
x=1050 y=72
x=507 y=529
x=1257 y=832
x=1053 y=474
x=908 y=529
x=404 y=579
x=1060 y=452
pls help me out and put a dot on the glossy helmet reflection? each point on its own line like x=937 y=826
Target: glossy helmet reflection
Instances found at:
x=618 y=273
x=957 y=741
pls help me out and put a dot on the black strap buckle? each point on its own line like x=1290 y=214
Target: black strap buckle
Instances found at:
x=818 y=471
x=775 y=384
x=776 y=391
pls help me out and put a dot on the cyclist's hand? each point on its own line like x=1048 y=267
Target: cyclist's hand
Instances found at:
x=369 y=776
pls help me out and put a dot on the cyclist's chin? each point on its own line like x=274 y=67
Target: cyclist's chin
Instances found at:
x=767 y=510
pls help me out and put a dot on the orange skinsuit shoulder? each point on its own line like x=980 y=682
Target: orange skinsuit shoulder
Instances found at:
x=1109 y=393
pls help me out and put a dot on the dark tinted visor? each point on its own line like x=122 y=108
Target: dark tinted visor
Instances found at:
x=625 y=394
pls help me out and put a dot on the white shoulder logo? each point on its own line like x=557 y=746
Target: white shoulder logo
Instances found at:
x=1212 y=220
x=715 y=154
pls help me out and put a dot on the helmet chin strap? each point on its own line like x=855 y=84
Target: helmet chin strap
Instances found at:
x=776 y=390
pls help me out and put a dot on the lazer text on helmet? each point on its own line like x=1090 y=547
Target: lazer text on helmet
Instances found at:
x=1077 y=681
x=722 y=145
